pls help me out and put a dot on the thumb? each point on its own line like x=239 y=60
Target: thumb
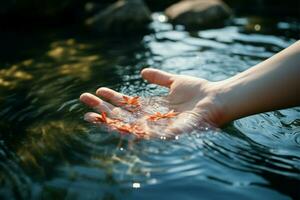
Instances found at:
x=157 y=77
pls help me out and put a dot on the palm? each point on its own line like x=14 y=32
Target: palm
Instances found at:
x=184 y=95
x=193 y=98
x=189 y=96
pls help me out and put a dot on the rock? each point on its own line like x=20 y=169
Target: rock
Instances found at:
x=198 y=13
x=124 y=16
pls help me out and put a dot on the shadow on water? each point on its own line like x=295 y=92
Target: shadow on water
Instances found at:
x=47 y=150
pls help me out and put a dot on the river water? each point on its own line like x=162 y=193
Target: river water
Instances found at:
x=47 y=150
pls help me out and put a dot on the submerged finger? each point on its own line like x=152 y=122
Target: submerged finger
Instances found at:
x=112 y=96
x=96 y=103
x=92 y=117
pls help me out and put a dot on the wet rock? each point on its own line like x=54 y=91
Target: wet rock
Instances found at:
x=198 y=13
x=124 y=16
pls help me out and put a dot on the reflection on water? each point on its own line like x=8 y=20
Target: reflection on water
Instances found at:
x=48 y=151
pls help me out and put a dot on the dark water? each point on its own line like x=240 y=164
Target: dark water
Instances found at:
x=47 y=151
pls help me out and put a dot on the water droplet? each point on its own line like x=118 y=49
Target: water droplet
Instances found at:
x=162 y=18
x=163 y=137
x=136 y=185
x=257 y=27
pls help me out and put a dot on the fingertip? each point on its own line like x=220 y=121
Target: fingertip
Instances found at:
x=91 y=117
x=84 y=96
x=98 y=91
x=90 y=100
x=145 y=71
x=104 y=92
x=149 y=74
x=157 y=76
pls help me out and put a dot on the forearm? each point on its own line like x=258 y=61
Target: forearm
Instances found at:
x=271 y=85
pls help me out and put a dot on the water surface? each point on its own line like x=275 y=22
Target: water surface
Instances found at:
x=47 y=150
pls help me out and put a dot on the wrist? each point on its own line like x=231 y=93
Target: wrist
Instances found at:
x=224 y=100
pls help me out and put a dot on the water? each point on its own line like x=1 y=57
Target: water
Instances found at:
x=48 y=151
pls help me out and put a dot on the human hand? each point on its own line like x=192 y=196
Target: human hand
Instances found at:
x=195 y=100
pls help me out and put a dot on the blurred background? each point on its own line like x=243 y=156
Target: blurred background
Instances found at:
x=22 y=18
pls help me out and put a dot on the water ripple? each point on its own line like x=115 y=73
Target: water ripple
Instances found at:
x=48 y=151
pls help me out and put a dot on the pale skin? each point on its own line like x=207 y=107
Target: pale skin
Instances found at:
x=270 y=85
